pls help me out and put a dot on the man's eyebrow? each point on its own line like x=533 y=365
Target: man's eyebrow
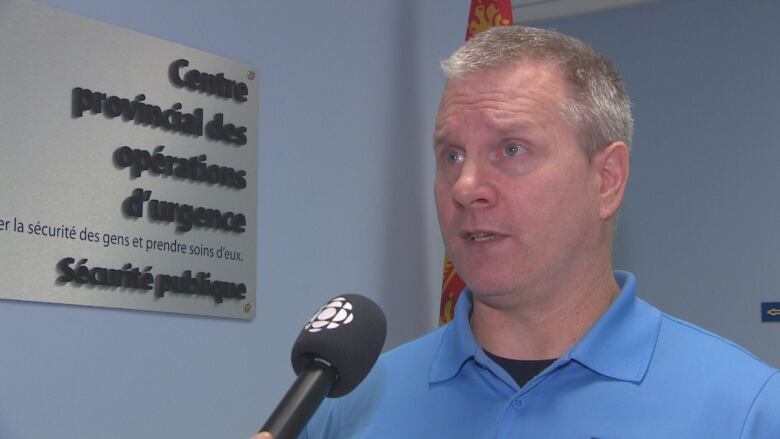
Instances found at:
x=440 y=139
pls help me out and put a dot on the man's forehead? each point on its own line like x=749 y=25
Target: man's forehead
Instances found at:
x=532 y=80
x=528 y=70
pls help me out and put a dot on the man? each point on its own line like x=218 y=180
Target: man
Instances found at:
x=532 y=143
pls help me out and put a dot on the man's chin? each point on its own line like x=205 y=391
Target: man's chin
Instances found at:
x=487 y=290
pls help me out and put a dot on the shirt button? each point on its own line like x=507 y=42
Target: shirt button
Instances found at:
x=518 y=404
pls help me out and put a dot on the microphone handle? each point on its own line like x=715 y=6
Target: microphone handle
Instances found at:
x=313 y=384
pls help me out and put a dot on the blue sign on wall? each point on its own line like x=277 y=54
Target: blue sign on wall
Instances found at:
x=770 y=311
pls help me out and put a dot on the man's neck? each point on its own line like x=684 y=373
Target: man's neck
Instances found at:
x=543 y=324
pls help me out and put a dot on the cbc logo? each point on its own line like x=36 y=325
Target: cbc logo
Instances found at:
x=336 y=313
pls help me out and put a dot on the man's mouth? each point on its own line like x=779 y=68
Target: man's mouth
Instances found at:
x=480 y=236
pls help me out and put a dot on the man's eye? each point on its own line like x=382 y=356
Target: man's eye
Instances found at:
x=452 y=157
x=512 y=149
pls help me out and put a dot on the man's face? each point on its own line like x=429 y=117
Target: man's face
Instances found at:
x=517 y=197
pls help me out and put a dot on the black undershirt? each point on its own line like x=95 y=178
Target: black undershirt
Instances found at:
x=520 y=370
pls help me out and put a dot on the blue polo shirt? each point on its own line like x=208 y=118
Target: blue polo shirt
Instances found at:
x=637 y=373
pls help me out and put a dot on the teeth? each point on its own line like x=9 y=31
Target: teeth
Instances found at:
x=477 y=237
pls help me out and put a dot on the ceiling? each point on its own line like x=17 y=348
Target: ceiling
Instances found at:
x=534 y=10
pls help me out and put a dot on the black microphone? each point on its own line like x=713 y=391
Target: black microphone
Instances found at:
x=333 y=353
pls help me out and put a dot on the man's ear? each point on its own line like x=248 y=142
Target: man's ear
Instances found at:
x=612 y=166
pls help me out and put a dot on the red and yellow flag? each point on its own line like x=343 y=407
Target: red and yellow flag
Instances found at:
x=483 y=15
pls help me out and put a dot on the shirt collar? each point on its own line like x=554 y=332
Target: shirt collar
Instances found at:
x=458 y=343
x=619 y=345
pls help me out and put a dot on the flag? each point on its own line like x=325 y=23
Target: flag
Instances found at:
x=483 y=15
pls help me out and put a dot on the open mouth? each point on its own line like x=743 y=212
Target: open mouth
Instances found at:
x=480 y=236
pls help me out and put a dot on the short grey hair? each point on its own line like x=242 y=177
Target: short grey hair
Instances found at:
x=598 y=105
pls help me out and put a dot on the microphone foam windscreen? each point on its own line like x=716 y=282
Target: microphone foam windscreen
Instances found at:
x=348 y=332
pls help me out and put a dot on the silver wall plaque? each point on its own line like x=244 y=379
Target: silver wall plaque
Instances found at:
x=128 y=168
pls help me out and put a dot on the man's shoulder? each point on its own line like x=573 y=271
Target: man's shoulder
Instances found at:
x=704 y=343
x=400 y=375
x=687 y=349
x=402 y=371
x=417 y=352
x=713 y=378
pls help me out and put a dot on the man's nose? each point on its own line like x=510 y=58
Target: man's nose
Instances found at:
x=474 y=186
